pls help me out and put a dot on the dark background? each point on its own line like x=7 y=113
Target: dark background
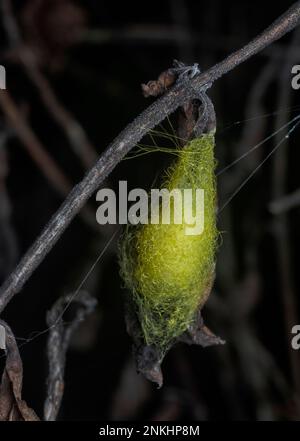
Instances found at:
x=94 y=56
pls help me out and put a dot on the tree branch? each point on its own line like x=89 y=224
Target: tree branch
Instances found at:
x=127 y=139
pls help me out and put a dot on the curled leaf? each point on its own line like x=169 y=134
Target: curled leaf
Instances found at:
x=12 y=407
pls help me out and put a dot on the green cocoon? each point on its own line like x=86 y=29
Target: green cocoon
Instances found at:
x=169 y=273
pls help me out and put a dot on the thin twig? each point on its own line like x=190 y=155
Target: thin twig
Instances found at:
x=285 y=203
x=77 y=137
x=127 y=139
x=58 y=343
x=39 y=154
x=164 y=35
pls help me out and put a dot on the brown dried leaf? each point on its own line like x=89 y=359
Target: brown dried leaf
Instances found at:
x=155 y=88
x=12 y=407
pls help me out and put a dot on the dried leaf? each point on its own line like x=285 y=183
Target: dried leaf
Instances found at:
x=12 y=407
x=155 y=88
